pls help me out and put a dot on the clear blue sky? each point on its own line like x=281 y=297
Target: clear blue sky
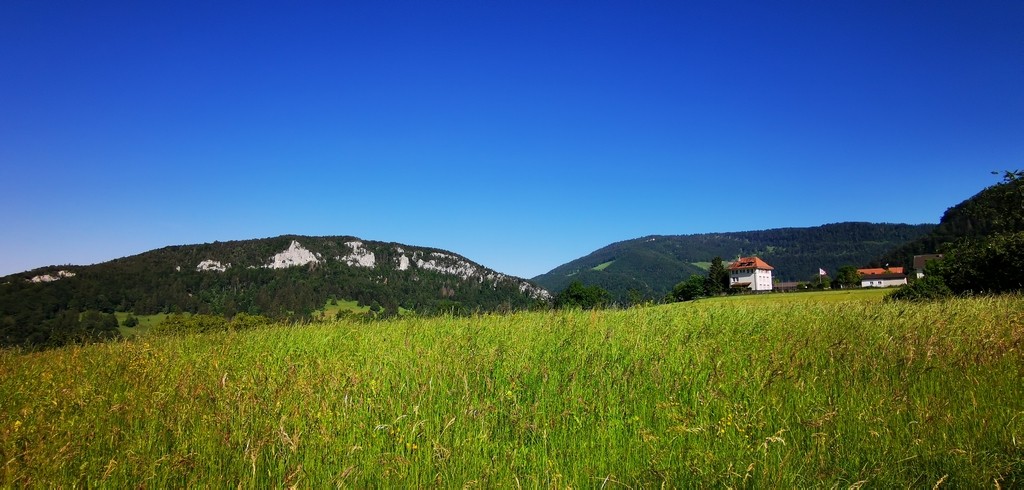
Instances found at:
x=521 y=135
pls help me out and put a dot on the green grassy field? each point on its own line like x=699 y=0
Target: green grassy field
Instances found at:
x=827 y=296
x=329 y=311
x=711 y=393
x=702 y=265
x=145 y=323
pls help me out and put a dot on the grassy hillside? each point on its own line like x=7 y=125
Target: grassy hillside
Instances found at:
x=710 y=393
x=652 y=265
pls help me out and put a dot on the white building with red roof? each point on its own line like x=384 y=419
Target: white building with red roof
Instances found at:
x=882 y=277
x=751 y=273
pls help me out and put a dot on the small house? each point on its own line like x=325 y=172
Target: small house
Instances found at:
x=751 y=273
x=921 y=260
x=882 y=277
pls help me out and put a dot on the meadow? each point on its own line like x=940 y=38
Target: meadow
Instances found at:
x=146 y=322
x=780 y=393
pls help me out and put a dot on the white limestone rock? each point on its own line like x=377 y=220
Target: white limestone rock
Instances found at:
x=447 y=264
x=360 y=256
x=294 y=256
x=212 y=265
x=52 y=277
x=403 y=262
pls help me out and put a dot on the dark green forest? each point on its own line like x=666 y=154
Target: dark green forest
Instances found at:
x=167 y=281
x=652 y=265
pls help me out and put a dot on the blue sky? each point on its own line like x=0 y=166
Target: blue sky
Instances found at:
x=521 y=135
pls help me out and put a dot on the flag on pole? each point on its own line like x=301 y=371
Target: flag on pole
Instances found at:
x=821 y=272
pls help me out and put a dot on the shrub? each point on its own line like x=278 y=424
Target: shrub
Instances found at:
x=245 y=321
x=579 y=296
x=689 y=289
x=181 y=324
x=925 y=289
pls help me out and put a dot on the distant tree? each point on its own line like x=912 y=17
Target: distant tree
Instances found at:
x=70 y=327
x=848 y=277
x=717 y=281
x=449 y=307
x=245 y=321
x=819 y=281
x=576 y=295
x=98 y=325
x=130 y=321
x=634 y=297
x=689 y=289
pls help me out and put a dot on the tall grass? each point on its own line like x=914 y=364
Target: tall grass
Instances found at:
x=767 y=394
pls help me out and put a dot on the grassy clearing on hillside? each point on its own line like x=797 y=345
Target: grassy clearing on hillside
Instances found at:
x=145 y=323
x=602 y=266
x=329 y=311
x=708 y=393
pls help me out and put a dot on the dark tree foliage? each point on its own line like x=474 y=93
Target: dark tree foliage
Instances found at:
x=717 y=281
x=993 y=264
x=579 y=296
x=847 y=277
x=245 y=321
x=819 y=281
x=65 y=327
x=690 y=289
x=928 y=288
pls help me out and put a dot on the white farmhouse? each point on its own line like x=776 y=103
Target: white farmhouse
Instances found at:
x=751 y=273
x=882 y=277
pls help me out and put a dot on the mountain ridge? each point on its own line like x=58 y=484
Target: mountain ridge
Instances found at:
x=285 y=277
x=650 y=265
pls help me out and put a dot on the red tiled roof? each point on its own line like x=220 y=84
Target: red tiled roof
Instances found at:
x=893 y=275
x=880 y=270
x=750 y=263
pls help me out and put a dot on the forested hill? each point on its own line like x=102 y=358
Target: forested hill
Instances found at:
x=652 y=265
x=282 y=277
x=996 y=209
